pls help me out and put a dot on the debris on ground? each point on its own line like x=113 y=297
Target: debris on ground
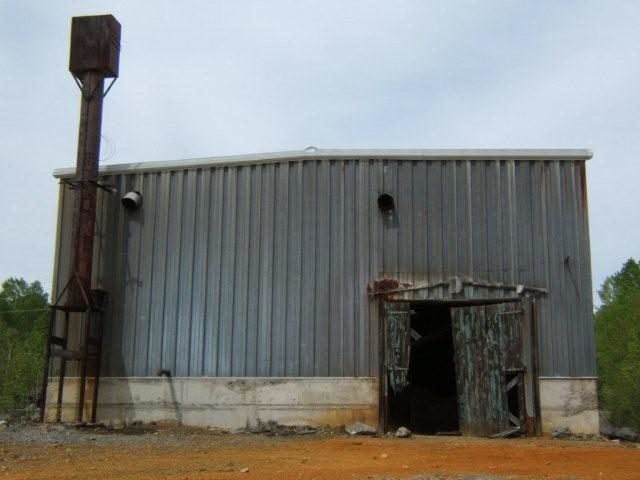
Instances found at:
x=359 y=428
x=509 y=433
x=403 y=432
x=273 y=429
x=562 y=432
x=565 y=433
x=624 y=433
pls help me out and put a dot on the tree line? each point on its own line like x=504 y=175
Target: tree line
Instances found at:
x=618 y=346
x=23 y=336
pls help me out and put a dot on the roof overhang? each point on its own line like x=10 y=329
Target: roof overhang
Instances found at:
x=361 y=154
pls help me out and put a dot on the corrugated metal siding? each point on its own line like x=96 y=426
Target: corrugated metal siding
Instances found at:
x=263 y=269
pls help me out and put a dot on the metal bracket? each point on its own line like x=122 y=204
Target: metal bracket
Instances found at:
x=79 y=84
x=109 y=87
x=107 y=187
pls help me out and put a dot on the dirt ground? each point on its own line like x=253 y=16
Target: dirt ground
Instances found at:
x=55 y=452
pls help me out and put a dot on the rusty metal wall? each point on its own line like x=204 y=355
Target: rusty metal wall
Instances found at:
x=262 y=269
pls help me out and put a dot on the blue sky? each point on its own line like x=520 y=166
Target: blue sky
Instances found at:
x=216 y=78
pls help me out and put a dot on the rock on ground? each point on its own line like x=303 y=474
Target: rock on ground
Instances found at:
x=563 y=432
x=359 y=428
x=403 y=432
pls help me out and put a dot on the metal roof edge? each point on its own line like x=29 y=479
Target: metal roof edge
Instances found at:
x=301 y=155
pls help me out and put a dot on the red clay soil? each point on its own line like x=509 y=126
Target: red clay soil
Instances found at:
x=319 y=457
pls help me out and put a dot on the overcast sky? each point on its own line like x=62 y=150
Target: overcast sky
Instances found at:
x=216 y=78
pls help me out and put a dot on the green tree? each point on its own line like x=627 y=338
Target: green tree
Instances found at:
x=618 y=345
x=23 y=325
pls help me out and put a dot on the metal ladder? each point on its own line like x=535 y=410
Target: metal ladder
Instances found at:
x=89 y=350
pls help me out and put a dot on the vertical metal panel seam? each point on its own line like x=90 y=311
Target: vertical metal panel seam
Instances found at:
x=287 y=265
x=329 y=256
x=410 y=224
x=271 y=286
x=153 y=178
x=230 y=281
x=249 y=194
x=197 y=193
x=222 y=174
x=353 y=296
x=564 y=327
x=166 y=175
x=443 y=239
x=118 y=310
x=357 y=269
x=248 y=169
x=135 y=253
x=547 y=362
x=214 y=268
x=427 y=216
x=138 y=187
x=579 y=322
x=499 y=194
x=199 y=256
x=179 y=270
x=259 y=285
x=454 y=243
x=515 y=267
x=205 y=267
x=343 y=264
x=315 y=275
x=300 y=227
x=470 y=217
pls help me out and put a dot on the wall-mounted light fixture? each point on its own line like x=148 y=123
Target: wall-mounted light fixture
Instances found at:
x=132 y=200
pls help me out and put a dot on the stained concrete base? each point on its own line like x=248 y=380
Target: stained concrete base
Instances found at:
x=236 y=403
x=570 y=402
x=228 y=403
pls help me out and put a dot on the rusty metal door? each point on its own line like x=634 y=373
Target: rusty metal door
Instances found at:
x=490 y=366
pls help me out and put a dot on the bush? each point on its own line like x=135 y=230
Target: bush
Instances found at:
x=23 y=330
x=618 y=346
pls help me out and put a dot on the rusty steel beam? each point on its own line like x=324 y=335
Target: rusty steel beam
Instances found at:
x=86 y=181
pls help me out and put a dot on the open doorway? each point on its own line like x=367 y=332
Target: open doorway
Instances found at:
x=460 y=367
x=427 y=403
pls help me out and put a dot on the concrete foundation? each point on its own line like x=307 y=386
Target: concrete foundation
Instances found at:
x=223 y=402
x=570 y=402
x=236 y=403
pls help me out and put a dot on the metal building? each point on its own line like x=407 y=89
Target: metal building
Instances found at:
x=439 y=289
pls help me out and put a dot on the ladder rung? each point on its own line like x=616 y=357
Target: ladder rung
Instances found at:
x=73 y=355
x=88 y=353
x=67 y=354
x=57 y=340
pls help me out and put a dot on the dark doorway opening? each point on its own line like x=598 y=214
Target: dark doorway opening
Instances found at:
x=428 y=403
